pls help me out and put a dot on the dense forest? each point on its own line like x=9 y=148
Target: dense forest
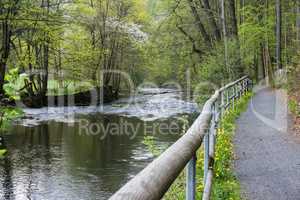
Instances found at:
x=60 y=47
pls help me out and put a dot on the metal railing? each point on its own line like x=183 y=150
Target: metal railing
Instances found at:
x=154 y=181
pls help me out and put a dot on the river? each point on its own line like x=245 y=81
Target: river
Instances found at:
x=89 y=152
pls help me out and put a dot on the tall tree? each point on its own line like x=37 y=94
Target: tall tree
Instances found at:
x=211 y=18
x=297 y=20
x=278 y=34
x=8 y=9
x=199 y=23
x=223 y=17
x=5 y=49
x=239 y=71
x=234 y=21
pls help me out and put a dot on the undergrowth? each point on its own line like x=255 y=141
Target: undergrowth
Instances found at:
x=225 y=184
x=294 y=107
x=293 y=86
x=7 y=114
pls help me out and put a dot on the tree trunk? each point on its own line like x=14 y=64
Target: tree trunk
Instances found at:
x=2 y=76
x=239 y=71
x=212 y=21
x=222 y=2
x=269 y=71
x=256 y=65
x=199 y=24
x=242 y=4
x=278 y=34
x=6 y=34
x=45 y=63
x=45 y=70
x=298 y=21
x=234 y=21
x=262 y=57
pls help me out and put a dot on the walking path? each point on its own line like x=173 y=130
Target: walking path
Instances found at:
x=267 y=155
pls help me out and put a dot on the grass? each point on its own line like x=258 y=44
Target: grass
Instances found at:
x=294 y=107
x=69 y=87
x=225 y=184
x=55 y=87
x=293 y=86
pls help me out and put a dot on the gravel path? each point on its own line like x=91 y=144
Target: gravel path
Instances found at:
x=267 y=158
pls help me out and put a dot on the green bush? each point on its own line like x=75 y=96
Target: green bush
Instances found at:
x=7 y=114
x=294 y=107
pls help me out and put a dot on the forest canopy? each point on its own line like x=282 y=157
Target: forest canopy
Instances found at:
x=48 y=47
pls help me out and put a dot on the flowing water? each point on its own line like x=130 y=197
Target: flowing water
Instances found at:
x=89 y=152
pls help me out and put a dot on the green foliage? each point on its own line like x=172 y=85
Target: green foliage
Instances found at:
x=14 y=83
x=73 y=41
x=213 y=67
x=293 y=85
x=294 y=107
x=225 y=184
x=7 y=114
x=61 y=87
x=256 y=29
x=2 y=153
x=203 y=92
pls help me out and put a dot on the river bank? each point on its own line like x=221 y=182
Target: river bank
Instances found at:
x=7 y=115
x=49 y=149
x=293 y=87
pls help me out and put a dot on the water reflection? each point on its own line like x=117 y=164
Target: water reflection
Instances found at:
x=55 y=161
x=7 y=182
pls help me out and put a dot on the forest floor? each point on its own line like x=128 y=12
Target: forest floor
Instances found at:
x=267 y=158
x=294 y=97
x=295 y=111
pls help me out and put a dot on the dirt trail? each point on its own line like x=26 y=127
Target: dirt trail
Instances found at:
x=267 y=156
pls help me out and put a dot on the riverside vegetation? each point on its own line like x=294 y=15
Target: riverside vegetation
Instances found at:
x=226 y=185
x=293 y=87
x=60 y=48
x=7 y=115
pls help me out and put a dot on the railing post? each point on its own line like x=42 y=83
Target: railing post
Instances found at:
x=227 y=99
x=206 y=155
x=234 y=96
x=142 y=187
x=244 y=88
x=191 y=179
x=249 y=85
x=241 y=89
x=222 y=104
